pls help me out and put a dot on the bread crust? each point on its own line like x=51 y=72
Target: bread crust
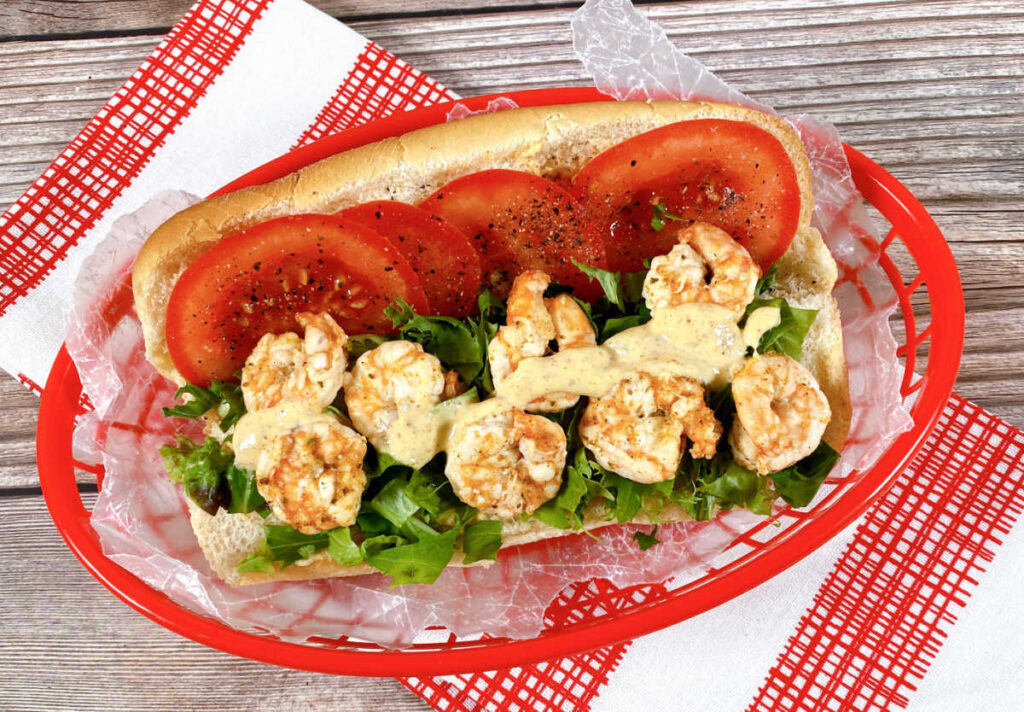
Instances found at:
x=550 y=141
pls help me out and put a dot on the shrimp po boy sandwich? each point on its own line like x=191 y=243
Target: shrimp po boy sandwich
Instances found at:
x=501 y=329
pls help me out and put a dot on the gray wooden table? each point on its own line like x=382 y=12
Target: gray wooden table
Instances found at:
x=931 y=90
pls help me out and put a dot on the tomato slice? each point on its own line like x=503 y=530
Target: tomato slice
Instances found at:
x=441 y=256
x=729 y=173
x=518 y=221
x=255 y=281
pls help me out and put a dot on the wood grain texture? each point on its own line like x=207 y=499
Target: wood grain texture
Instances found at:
x=931 y=90
x=68 y=644
x=42 y=18
x=18 y=409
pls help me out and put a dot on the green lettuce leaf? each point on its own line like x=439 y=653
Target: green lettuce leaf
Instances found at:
x=562 y=512
x=799 y=483
x=491 y=307
x=288 y=545
x=377 y=463
x=361 y=343
x=452 y=341
x=630 y=497
x=611 y=283
x=787 y=337
x=484 y=327
x=421 y=562
x=767 y=280
x=432 y=492
x=704 y=487
x=245 y=497
x=622 y=306
x=208 y=475
x=372 y=524
x=394 y=504
x=402 y=528
x=481 y=540
x=739 y=487
x=201 y=471
x=256 y=563
x=226 y=398
x=612 y=326
x=342 y=549
x=585 y=479
x=621 y=289
x=646 y=541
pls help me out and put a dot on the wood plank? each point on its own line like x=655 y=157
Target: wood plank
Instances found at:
x=54 y=610
x=18 y=409
x=40 y=18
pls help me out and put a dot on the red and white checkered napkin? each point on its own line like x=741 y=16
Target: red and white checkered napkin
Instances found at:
x=853 y=627
x=235 y=84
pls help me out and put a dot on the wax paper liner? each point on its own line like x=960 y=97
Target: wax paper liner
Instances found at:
x=141 y=517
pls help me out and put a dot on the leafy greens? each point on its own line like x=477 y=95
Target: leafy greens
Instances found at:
x=210 y=478
x=786 y=337
x=622 y=306
x=226 y=398
x=460 y=345
x=410 y=523
x=409 y=528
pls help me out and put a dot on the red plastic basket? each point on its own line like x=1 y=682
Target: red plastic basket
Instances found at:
x=933 y=352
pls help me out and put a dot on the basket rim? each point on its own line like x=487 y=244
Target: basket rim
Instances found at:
x=63 y=388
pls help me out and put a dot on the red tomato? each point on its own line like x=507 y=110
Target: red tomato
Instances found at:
x=728 y=173
x=441 y=256
x=255 y=281
x=518 y=221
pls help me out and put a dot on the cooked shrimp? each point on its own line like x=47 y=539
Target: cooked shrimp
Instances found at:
x=533 y=323
x=639 y=429
x=284 y=367
x=781 y=413
x=506 y=462
x=707 y=265
x=453 y=386
x=312 y=474
x=572 y=327
x=395 y=376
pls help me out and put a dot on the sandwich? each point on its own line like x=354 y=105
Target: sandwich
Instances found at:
x=498 y=330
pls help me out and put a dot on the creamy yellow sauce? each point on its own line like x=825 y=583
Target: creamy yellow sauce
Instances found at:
x=699 y=341
x=418 y=434
x=254 y=430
